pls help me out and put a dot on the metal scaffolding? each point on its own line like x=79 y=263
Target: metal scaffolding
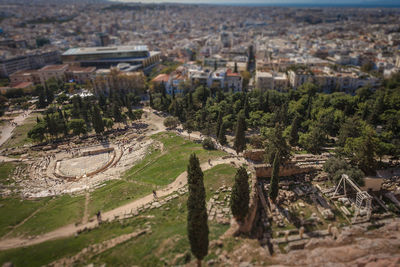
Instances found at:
x=363 y=199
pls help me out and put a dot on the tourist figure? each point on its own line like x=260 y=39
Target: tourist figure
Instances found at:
x=209 y=162
x=155 y=194
x=98 y=214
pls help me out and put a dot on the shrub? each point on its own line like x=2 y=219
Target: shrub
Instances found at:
x=336 y=166
x=208 y=144
x=171 y=122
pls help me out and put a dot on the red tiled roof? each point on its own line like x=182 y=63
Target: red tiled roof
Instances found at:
x=23 y=85
x=232 y=74
x=161 y=78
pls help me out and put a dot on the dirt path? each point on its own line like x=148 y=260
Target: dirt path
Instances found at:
x=71 y=229
x=96 y=249
x=7 y=129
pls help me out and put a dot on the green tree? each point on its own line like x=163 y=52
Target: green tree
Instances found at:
x=350 y=128
x=49 y=95
x=240 y=135
x=275 y=142
x=189 y=126
x=240 y=195
x=38 y=132
x=171 y=122
x=222 y=135
x=77 y=126
x=197 y=226
x=274 y=186
x=117 y=114
x=208 y=143
x=314 y=140
x=294 y=131
x=42 y=96
x=337 y=166
x=51 y=125
x=151 y=100
x=108 y=123
x=97 y=120
x=219 y=123
x=362 y=150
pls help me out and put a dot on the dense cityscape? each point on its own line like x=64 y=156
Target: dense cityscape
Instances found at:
x=173 y=134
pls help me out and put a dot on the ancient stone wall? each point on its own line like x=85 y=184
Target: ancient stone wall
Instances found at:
x=96 y=152
x=265 y=170
x=256 y=155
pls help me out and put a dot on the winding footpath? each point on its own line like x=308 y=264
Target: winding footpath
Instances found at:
x=7 y=130
x=119 y=212
x=72 y=229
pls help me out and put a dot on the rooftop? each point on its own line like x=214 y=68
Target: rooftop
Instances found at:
x=77 y=69
x=161 y=78
x=54 y=67
x=23 y=85
x=104 y=50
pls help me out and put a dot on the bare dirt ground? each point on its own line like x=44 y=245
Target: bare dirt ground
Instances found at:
x=7 y=129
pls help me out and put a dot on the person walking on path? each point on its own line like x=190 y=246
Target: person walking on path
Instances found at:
x=155 y=194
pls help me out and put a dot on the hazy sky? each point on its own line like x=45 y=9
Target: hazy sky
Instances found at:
x=323 y=2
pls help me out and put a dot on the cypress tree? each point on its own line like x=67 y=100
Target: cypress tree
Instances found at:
x=240 y=138
x=197 y=213
x=164 y=91
x=222 y=135
x=266 y=103
x=62 y=122
x=42 y=99
x=274 y=186
x=49 y=95
x=246 y=106
x=97 y=120
x=235 y=70
x=190 y=101
x=151 y=99
x=294 y=132
x=219 y=123
x=240 y=195
x=117 y=112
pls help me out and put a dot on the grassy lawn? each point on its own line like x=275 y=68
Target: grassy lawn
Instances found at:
x=156 y=170
x=44 y=253
x=57 y=212
x=223 y=174
x=167 y=239
x=19 y=136
x=116 y=193
x=13 y=211
x=165 y=167
x=137 y=183
x=6 y=169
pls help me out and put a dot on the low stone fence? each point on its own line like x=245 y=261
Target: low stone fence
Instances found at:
x=96 y=152
x=265 y=170
x=256 y=155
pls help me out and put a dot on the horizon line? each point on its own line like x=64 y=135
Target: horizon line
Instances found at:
x=257 y=4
